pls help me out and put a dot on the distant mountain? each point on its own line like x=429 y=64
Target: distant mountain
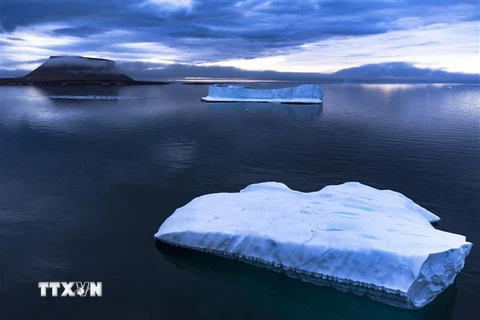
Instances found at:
x=395 y=71
x=75 y=70
x=81 y=70
x=384 y=72
x=78 y=68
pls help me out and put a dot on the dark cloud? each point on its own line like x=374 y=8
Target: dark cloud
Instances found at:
x=16 y=13
x=229 y=29
x=15 y=39
x=214 y=30
x=83 y=31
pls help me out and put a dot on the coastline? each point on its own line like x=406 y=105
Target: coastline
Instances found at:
x=26 y=82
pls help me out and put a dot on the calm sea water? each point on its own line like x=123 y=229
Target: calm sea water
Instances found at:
x=87 y=175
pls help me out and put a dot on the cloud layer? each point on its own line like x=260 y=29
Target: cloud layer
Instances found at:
x=293 y=36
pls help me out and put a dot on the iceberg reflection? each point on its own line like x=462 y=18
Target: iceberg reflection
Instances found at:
x=298 y=111
x=293 y=297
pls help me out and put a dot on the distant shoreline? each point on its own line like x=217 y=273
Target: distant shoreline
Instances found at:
x=26 y=82
x=30 y=82
x=247 y=81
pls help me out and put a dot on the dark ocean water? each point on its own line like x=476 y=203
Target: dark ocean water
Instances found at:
x=85 y=182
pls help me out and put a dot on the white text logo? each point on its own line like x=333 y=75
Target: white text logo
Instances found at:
x=71 y=289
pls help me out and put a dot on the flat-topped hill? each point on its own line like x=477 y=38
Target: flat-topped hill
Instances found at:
x=75 y=70
x=78 y=68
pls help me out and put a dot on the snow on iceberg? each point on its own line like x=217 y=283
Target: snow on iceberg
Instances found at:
x=306 y=93
x=355 y=238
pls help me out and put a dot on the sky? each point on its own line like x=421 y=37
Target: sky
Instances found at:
x=306 y=36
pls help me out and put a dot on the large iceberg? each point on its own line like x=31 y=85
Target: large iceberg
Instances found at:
x=306 y=93
x=355 y=238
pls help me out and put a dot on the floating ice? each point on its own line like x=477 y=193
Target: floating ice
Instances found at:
x=94 y=97
x=307 y=93
x=355 y=238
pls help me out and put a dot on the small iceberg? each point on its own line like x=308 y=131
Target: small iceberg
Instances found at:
x=355 y=238
x=306 y=93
